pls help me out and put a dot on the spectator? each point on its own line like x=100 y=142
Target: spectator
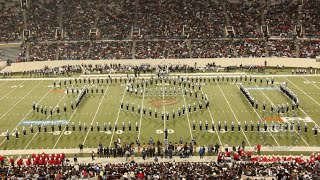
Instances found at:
x=75 y=158
x=258 y=149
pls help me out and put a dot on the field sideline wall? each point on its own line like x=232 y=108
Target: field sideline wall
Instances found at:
x=3 y=64
x=287 y=62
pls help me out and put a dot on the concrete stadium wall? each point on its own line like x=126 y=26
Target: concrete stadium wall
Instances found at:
x=287 y=62
x=3 y=64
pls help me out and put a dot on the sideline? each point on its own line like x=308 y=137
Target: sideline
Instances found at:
x=89 y=150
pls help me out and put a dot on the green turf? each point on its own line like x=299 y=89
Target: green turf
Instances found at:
x=226 y=104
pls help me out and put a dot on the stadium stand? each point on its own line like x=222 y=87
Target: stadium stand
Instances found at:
x=43 y=19
x=56 y=166
x=311 y=18
x=111 y=50
x=11 y=21
x=147 y=26
x=161 y=49
x=78 y=17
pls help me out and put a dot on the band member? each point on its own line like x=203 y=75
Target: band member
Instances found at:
x=252 y=126
x=212 y=126
x=232 y=126
x=305 y=127
x=225 y=126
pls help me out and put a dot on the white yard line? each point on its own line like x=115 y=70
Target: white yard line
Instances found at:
x=65 y=127
x=213 y=121
x=187 y=113
x=303 y=91
x=300 y=106
x=95 y=115
x=20 y=100
x=3 y=83
x=310 y=82
x=71 y=118
x=302 y=110
x=124 y=93
x=233 y=112
x=11 y=90
x=47 y=118
x=144 y=87
x=281 y=115
x=27 y=114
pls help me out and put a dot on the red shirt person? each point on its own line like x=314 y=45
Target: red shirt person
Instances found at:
x=258 y=148
x=1 y=160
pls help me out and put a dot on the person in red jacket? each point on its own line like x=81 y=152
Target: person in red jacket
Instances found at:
x=258 y=149
x=242 y=154
x=35 y=162
x=11 y=161
x=255 y=159
x=62 y=156
x=28 y=162
x=236 y=156
x=312 y=159
x=44 y=162
x=58 y=161
x=1 y=160
x=140 y=175
x=219 y=157
x=249 y=154
x=20 y=162
x=228 y=154
x=265 y=159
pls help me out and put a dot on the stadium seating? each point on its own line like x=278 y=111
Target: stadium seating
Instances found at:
x=55 y=166
x=165 y=29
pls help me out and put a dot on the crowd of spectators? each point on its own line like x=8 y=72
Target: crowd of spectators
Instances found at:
x=11 y=21
x=311 y=18
x=286 y=167
x=156 y=19
x=161 y=49
x=115 y=19
x=212 y=49
x=309 y=49
x=78 y=18
x=281 y=18
x=43 y=52
x=281 y=48
x=74 y=51
x=111 y=50
x=246 y=18
x=157 y=27
x=160 y=19
x=167 y=19
x=43 y=19
x=251 y=48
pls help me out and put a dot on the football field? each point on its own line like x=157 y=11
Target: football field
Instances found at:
x=227 y=105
